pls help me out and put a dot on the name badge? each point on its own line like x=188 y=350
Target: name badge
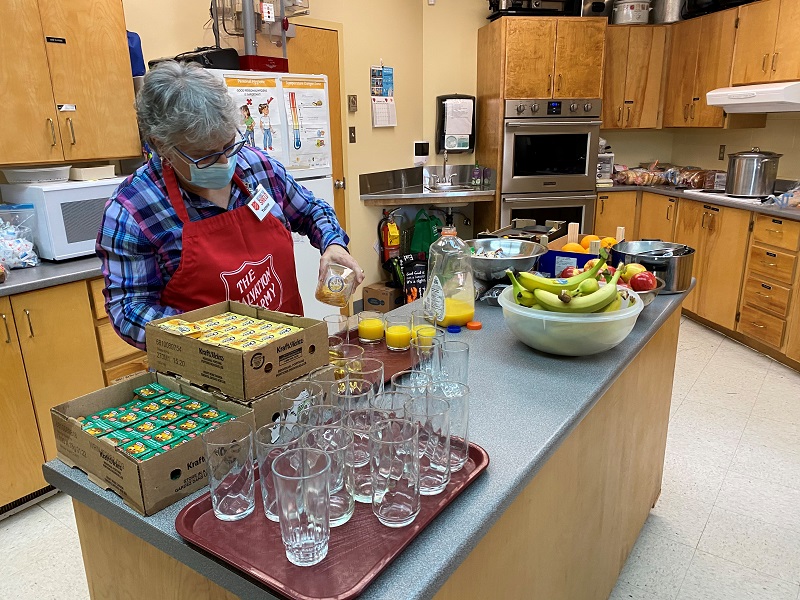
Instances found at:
x=260 y=202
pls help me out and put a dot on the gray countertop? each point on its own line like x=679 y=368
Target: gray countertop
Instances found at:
x=523 y=405
x=49 y=274
x=718 y=199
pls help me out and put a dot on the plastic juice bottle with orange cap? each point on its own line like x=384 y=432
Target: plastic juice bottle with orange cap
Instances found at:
x=450 y=292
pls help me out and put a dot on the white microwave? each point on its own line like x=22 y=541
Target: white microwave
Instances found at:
x=68 y=214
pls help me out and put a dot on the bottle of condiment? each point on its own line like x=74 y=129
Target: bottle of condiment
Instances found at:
x=476 y=175
x=450 y=292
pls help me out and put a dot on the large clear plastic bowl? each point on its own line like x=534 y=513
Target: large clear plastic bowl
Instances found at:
x=569 y=334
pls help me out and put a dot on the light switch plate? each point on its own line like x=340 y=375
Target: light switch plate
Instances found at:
x=722 y=152
x=352 y=134
x=352 y=102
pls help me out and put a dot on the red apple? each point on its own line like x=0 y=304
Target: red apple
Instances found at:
x=643 y=282
x=606 y=273
x=570 y=271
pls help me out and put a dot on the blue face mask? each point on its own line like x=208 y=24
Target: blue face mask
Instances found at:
x=214 y=177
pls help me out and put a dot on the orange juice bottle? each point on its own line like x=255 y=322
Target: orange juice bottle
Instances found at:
x=450 y=292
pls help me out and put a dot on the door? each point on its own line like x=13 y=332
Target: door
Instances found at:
x=580 y=45
x=617 y=209
x=690 y=230
x=785 y=63
x=793 y=337
x=718 y=36
x=316 y=50
x=616 y=65
x=646 y=46
x=657 y=217
x=21 y=454
x=755 y=41
x=530 y=56
x=59 y=349
x=30 y=126
x=684 y=48
x=91 y=71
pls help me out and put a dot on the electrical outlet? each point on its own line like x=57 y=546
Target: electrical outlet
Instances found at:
x=352 y=134
x=721 y=152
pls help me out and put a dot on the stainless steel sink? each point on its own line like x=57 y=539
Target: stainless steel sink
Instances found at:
x=450 y=187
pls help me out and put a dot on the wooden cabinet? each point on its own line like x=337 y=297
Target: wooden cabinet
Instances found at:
x=547 y=58
x=719 y=236
x=792 y=348
x=59 y=349
x=699 y=61
x=66 y=72
x=21 y=454
x=615 y=209
x=632 y=76
x=657 y=217
x=777 y=232
x=766 y=49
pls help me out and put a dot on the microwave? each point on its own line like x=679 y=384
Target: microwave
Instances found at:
x=68 y=214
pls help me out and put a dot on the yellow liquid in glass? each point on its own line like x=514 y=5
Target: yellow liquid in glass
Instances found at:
x=398 y=336
x=370 y=329
x=457 y=312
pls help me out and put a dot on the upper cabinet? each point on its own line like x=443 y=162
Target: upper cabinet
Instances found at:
x=699 y=60
x=766 y=48
x=632 y=76
x=553 y=58
x=66 y=68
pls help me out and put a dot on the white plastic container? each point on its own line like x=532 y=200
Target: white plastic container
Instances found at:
x=569 y=334
x=37 y=174
x=631 y=13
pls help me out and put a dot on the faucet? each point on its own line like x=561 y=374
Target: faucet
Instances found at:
x=445 y=178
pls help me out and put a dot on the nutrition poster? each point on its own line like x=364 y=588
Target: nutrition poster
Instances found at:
x=259 y=111
x=307 y=117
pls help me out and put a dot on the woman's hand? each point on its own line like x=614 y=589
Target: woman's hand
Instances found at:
x=337 y=254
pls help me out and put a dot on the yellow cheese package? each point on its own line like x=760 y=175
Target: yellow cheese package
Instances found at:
x=208 y=324
x=228 y=317
x=251 y=343
x=180 y=327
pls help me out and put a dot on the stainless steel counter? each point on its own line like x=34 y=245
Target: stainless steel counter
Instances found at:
x=413 y=186
x=49 y=274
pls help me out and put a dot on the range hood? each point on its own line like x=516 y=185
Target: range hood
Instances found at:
x=761 y=98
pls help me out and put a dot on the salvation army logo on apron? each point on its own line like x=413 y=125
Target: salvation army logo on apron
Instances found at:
x=254 y=283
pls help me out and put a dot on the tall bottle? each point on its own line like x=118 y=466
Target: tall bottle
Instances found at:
x=450 y=292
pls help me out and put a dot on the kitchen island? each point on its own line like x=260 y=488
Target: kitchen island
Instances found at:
x=577 y=450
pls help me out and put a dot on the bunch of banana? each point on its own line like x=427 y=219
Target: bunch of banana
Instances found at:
x=532 y=282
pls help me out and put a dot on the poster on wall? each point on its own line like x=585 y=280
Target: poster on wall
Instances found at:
x=306 y=103
x=259 y=112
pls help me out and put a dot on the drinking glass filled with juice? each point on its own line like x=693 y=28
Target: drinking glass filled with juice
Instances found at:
x=398 y=332
x=370 y=327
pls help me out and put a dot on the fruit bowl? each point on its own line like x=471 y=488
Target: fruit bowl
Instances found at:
x=650 y=295
x=569 y=334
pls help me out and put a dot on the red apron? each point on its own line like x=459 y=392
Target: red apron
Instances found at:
x=232 y=256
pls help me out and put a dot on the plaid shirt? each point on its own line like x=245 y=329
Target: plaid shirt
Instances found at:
x=140 y=240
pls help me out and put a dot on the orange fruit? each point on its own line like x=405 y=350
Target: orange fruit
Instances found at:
x=587 y=240
x=573 y=247
x=608 y=242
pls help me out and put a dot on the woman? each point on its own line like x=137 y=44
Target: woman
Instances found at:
x=179 y=233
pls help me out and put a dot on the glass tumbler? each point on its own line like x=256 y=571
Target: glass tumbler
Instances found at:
x=457 y=395
x=360 y=422
x=432 y=417
x=337 y=443
x=338 y=326
x=321 y=414
x=394 y=467
x=326 y=377
x=271 y=441
x=412 y=382
x=391 y=405
x=426 y=355
x=398 y=332
x=370 y=327
x=370 y=369
x=302 y=477
x=356 y=394
x=297 y=396
x=231 y=474
x=344 y=354
x=454 y=361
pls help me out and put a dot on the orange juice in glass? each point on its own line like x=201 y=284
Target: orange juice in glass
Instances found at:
x=370 y=327
x=398 y=332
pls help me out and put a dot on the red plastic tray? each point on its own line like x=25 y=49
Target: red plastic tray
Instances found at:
x=357 y=552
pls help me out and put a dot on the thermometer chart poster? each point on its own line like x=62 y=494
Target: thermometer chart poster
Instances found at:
x=307 y=127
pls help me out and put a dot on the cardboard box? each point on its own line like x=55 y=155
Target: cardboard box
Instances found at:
x=382 y=298
x=240 y=375
x=148 y=486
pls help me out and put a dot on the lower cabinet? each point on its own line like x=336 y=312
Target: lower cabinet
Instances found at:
x=21 y=453
x=657 y=218
x=615 y=209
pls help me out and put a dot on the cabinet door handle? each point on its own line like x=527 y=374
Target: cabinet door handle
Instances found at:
x=764 y=62
x=549 y=83
x=763 y=295
x=754 y=324
x=619 y=116
x=602 y=206
x=71 y=130
x=628 y=118
x=8 y=331
x=703 y=221
x=685 y=112
x=669 y=212
x=778 y=231
x=558 y=88
x=52 y=131
x=691 y=111
x=766 y=264
x=711 y=221
x=30 y=325
x=774 y=61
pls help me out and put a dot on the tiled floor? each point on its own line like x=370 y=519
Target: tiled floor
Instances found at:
x=727 y=525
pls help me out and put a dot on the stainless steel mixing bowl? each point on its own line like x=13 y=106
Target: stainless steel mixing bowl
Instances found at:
x=519 y=255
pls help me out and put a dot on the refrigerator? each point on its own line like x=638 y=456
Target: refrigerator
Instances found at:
x=288 y=115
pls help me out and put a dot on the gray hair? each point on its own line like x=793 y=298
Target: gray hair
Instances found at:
x=182 y=104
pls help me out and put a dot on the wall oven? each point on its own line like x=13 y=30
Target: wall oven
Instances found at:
x=569 y=207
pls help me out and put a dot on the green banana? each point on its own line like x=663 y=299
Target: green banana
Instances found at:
x=581 y=304
x=533 y=282
x=522 y=296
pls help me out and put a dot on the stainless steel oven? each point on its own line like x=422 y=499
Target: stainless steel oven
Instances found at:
x=566 y=206
x=550 y=145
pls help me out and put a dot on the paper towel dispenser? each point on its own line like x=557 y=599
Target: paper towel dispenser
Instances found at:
x=455 y=123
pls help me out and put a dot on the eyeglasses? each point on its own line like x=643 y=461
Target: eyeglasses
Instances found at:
x=210 y=159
